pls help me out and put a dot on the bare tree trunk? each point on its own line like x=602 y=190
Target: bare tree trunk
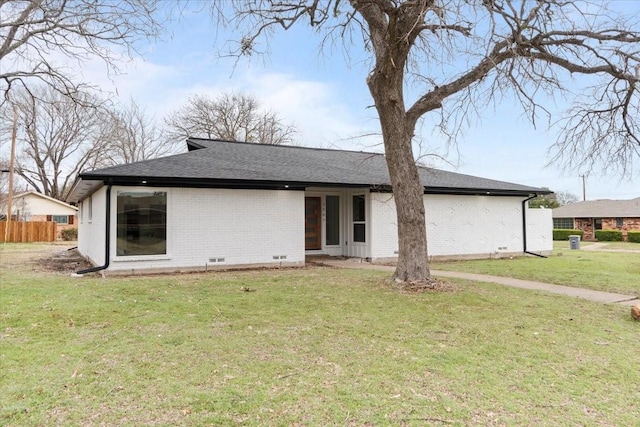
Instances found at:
x=385 y=86
x=408 y=194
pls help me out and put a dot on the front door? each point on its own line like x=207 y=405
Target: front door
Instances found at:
x=312 y=223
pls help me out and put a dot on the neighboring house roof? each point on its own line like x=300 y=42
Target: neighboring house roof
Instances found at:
x=600 y=209
x=28 y=194
x=248 y=165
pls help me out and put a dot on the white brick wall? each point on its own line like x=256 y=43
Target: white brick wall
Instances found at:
x=91 y=231
x=241 y=226
x=460 y=225
x=383 y=225
x=539 y=230
x=468 y=225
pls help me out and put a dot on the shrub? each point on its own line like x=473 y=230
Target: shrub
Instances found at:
x=563 y=234
x=69 y=234
x=609 y=235
x=633 y=236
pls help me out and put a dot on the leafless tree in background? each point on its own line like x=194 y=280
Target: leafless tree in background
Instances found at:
x=38 y=37
x=230 y=117
x=566 y=198
x=4 y=190
x=4 y=186
x=58 y=137
x=458 y=57
x=129 y=135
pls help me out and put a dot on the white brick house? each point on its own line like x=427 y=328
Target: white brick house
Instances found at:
x=238 y=204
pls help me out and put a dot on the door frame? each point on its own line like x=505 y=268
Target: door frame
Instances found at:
x=341 y=248
x=318 y=225
x=346 y=247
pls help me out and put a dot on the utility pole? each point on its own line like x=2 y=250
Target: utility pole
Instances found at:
x=7 y=230
x=584 y=187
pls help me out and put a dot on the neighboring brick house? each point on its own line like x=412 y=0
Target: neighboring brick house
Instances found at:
x=240 y=204
x=592 y=215
x=33 y=206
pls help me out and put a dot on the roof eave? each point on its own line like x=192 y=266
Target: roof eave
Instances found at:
x=482 y=191
x=216 y=183
x=292 y=185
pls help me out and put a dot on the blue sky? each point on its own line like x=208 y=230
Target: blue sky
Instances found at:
x=328 y=102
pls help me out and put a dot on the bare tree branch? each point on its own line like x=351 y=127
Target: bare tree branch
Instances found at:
x=129 y=135
x=231 y=117
x=32 y=32
x=58 y=138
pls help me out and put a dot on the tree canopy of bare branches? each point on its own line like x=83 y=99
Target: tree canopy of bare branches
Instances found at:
x=230 y=117
x=566 y=198
x=130 y=135
x=38 y=37
x=57 y=139
x=458 y=56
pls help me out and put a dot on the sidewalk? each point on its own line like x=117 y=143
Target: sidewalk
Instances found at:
x=601 y=247
x=588 y=294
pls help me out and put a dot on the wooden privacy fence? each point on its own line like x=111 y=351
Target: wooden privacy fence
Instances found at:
x=28 y=231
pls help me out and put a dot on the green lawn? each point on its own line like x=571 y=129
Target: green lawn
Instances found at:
x=603 y=271
x=308 y=347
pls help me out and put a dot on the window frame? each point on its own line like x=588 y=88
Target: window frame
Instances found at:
x=360 y=223
x=328 y=225
x=132 y=257
x=560 y=220
x=55 y=217
x=619 y=222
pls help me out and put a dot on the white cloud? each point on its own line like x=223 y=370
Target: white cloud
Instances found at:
x=315 y=108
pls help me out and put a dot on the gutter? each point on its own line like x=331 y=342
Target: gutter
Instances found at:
x=524 y=225
x=166 y=181
x=107 y=242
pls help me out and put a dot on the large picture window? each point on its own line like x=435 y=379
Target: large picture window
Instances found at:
x=142 y=223
x=359 y=219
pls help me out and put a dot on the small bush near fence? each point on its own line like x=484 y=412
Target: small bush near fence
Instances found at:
x=633 y=236
x=563 y=234
x=609 y=235
x=69 y=234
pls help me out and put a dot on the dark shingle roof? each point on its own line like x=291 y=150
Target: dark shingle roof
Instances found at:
x=600 y=209
x=219 y=162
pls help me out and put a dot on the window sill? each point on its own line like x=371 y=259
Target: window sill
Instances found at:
x=141 y=258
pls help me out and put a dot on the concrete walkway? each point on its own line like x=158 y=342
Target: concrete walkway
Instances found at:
x=588 y=294
x=602 y=247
